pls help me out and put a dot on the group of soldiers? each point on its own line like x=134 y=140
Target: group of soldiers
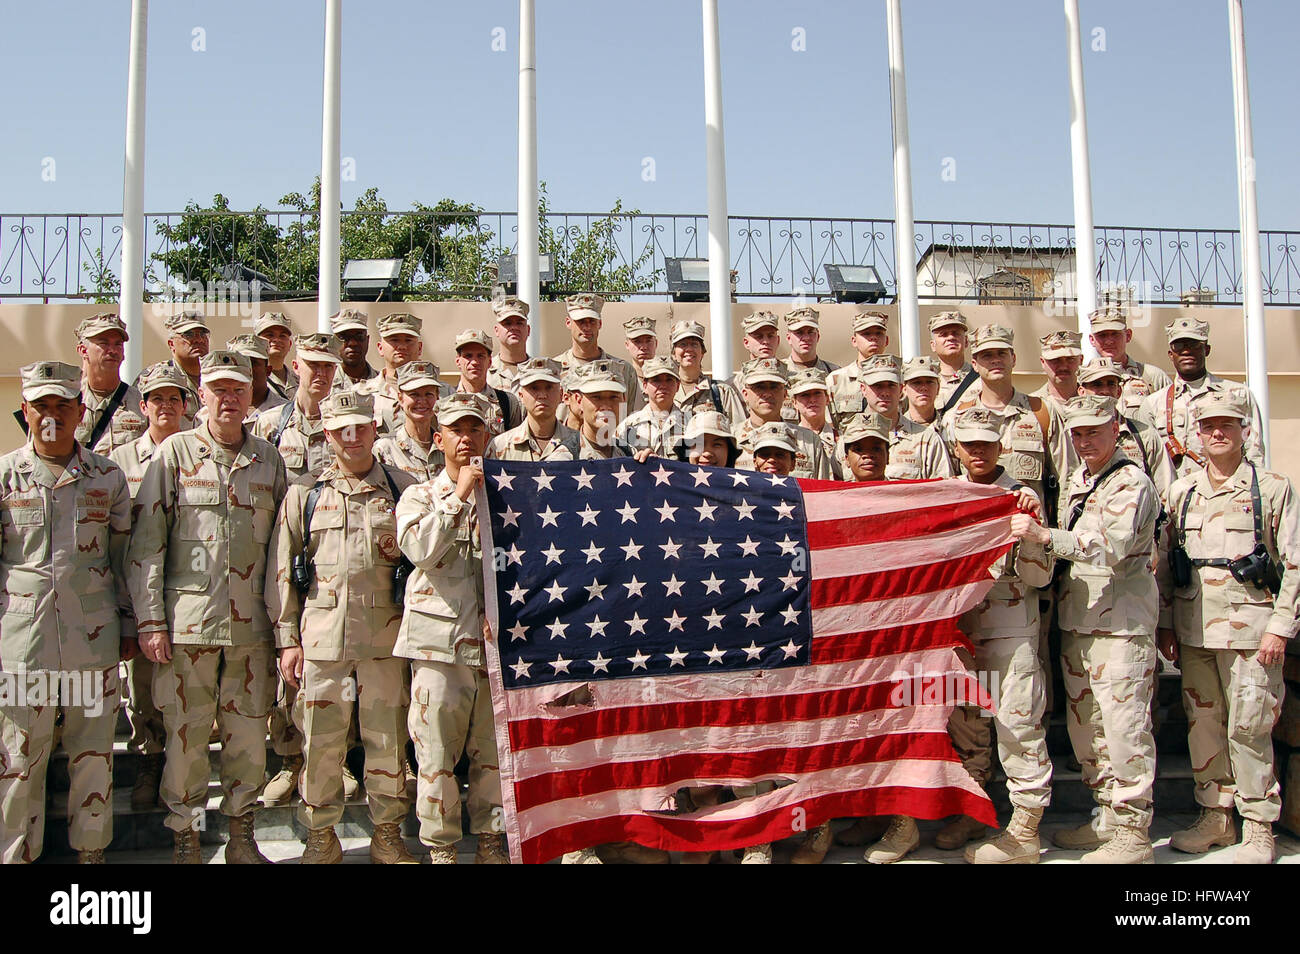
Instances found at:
x=290 y=545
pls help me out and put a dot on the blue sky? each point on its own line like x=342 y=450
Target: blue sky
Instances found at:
x=429 y=108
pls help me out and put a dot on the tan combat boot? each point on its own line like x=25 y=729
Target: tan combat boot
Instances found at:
x=957 y=832
x=1127 y=846
x=1096 y=831
x=387 y=846
x=1257 y=847
x=630 y=853
x=1213 y=828
x=864 y=831
x=1018 y=845
x=185 y=848
x=241 y=847
x=491 y=849
x=350 y=784
x=757 y=855
x=323 y=848
x=442 y=855
x=95 y=856
x=148 y=775
x=284 y=786
x=583 y=856
x=900 y=839
x=812 y=850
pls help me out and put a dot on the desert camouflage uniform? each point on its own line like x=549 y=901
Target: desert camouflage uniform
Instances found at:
x=346 y=625
x=272 y=401
x=662 y=433
x=821 y=364
x=503 y=417
x=811 y=461
x=369 y=382
x=1139 y=382
x=289 y=386
x=1108 y=606
x=65 y=611
x=916 y=452
x=1232 y=701
x=589 y=451
x=698 y=396
x=388 y=410
x=127 y=423
x=520 y=444
x=502 y=374
x=302 y=444
x=633 y=399
x=404 y=452
x=1184 y=426
x=948 y=383
x=442 y=633
x=1141 y=443
x=1026 y=455
x=197 y=569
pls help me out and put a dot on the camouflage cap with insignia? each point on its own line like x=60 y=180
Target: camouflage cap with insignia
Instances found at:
x=50 y=378
x=584 y=306
x=596 y=376
x=1109 y=318
x=1089 y=410
x=879 y=368
x=808 y=379
x=1193 y=328
x=866 y=424
x=660 y=364
x=1230 y=402
x=1061 y=344
x=399 y=323
x=98 y=324
x=866 y=320
x=946 y=318
x=346 y=407
x=988 y=337
x=461 y=404
x=540 y=369
x=920 y=367
x=803 y=317
x=508 y=306
x=473 y=336
x=1099 y=369
x=164 y=374
x=684 y=329
x=251 y=346
x=225 y=365
x=759 y=319
x=271 y=319
x=568 y=381
x=763 y=369
x=418 y=374
x=320 y=347
x=977 y=424
x=349 y=319
x=709 y=422
x=187 y=320
x=638 y=326
x=773 y=434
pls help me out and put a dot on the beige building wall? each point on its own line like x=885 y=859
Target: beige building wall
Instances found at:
x=47 y=332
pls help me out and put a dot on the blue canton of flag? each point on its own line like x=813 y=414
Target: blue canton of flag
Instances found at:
x=610 y=569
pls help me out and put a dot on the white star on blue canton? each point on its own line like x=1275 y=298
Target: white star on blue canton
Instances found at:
x=555 y=591
x=597 y=627
x=557 y=629
x=544 y=481
x=517 y=631
x=674 y=586
x=752 y=651
x=593 y=553
x=634 y=586
x=753 y=617
x=627 y=512
x=588 y=515
x=661 y=476
x=675 y=622
x=623 y=476
x=790 y=650
x=710 y=548
x=596 y=591
x=788 y=546
x=639 y=660
x=738 y=479
x=745 y=511
x=676 y=658
x=504 y=481
x=549 y=517
x=791 y=582
x=714 y=619
x=560 y=665
x=749 y=547
x=516 y=594
x=790 y=614
x=751 y=582
x=515 y=555
x=706 y=511
x=666 y=512
x=521 y=668
x=784 y=510
x=713 y=584
x=670 y=549
x=552 y=554
x=701 y=477
x=715 y=654
x=584 y=479
x=632 y=551
x=777 y=481
x=635 y=624
x=510 y=517
x=600 y=663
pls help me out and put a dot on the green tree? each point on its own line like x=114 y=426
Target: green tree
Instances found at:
x=105 y=288
x=205 y=241
x=588 y=258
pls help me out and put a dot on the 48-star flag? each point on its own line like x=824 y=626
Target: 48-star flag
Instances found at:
x=665 y=626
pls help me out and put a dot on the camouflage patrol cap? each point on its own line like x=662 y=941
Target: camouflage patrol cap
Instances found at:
x=1230 y=402
x=187 y=320
x=638 y=326
x=977 y=424
x=568 y=381
x=988 y=337
x=98 y=324
x=418 y=374
x=400 y=323
x=596 y=376
x=682 y=330
x=50 y=378
x=473 y=336
x=1061 y=344
x=506 y=307
x=346 y=407
x=866 y=320
x=320 y=347
x=1089 y=410
x=808 y=379
x=540 y=369
x=349 y=320
x=1109 y=318
x=225 y=365
x=584 y=306
x=773 y=434
x=661 y=364
x=709 y=422
x=1193 y=328
x=866 y=424
x=250 y=346
x=461 y=404
x=759 y=319
x=920 y=367
x=271 y=319
x=946 y=318
x=803 y=317
x=763 y=369
x=164 y=374
x=1100 y=369
x=879 y=368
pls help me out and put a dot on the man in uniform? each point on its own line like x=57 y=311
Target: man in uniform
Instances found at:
x=1138 y=437
x=948 y=343
x=188 y=339
x=473 y=357
x=1107 y=609
x=165 y=391
x=921 y=390
x=870 y=337
x=274 y=328
x=584 y=324
x=659 y=426
x=111 y=415
x=335 y=636
x=763 y=386
x=399 y=342
x=67 y=619
x=354 y=348
x=1111 y=336
x=1228 y=626
x=762 y=338
x=442 y=633
x=511 y=329
x=1189 y=346
x=265 y=398
x=803 y=333
x=1061 y=355
x=600 y=394
x=541 y=436
x=916 y=451
x=699 y=391
x=411 y=448
x=642 y=343
x=204 y=515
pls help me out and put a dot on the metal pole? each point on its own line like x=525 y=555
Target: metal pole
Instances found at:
x=909 y=321
x=1085 y=246
x=130 y=303
x=716 y=161
x=328 y=295
x=1253 y=297
x=526 y=261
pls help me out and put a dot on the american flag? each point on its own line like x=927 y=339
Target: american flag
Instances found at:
x=662 y=626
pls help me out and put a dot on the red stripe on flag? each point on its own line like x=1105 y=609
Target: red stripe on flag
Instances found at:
x=870 y=528
x=912 y=637
x=906 y=581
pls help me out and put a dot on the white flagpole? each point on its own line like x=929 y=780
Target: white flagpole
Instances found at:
x=715 y=157
x=1252 y=283
x=328 y=296
x=1085 y=246
x=909 y=322
x=131 y=299
x=526 y=261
